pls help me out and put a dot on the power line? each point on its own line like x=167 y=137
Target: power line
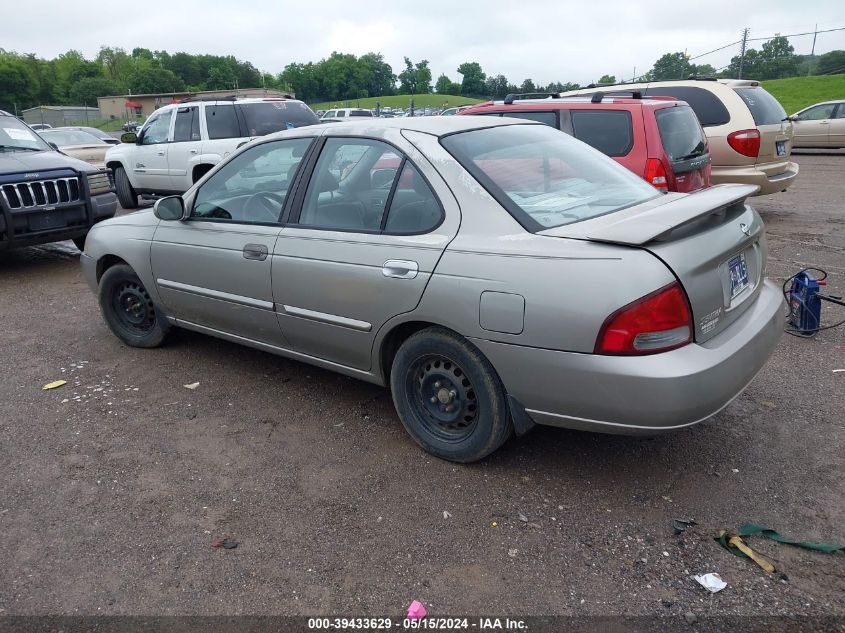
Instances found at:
x=761 y=39
x=716 y=49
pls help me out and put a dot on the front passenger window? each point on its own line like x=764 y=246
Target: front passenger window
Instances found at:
x=252 y=188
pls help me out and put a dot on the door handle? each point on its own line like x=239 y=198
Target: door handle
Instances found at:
x=824 y=122
x=257 y=252
x=400 y=269
x=160 y=153
x=193 y=151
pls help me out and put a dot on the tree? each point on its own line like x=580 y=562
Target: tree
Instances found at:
x=777 y=59
x=496 y=86
x=705 y=70
x=85 y=91
x=153 y=80
x=671 y=66
x=382 y=79
x=423 y=77
x=607 y=79
x=17 y=83
x=528 y=86
x=220 y=77
x=416 y=78
x=473 y=78
x=443 y=86
x=750 y=65
x=831 y=63
x=117 y=65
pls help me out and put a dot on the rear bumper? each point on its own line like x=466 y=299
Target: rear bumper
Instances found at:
x=647 y=394
x=753 y=175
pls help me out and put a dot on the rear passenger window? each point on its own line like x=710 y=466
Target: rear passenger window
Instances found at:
x=549 y=118
x=707 y=107
x=221 y=121
x=187 y=127
x=609 y=131
x=765 y=109
x=414 y=207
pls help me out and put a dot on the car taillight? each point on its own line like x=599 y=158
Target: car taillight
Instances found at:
x=655 y=174
x=746 y=142
x=658 y=322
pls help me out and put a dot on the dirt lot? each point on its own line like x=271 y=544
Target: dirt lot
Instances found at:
x=113 y=487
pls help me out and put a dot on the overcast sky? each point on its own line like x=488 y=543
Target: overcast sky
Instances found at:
x=542 y=40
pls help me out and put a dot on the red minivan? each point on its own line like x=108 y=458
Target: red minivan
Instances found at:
x=657 y=138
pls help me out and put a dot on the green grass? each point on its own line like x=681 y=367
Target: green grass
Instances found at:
x=796 y=93
x=398 y=101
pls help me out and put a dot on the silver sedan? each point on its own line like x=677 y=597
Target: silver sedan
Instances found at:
x=493 y=272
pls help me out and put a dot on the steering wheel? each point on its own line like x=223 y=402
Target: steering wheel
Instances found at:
x=266 y=203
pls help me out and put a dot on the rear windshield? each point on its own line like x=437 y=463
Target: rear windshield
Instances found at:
x=609 y=131
x=273 y=116
x=680 y=132
x=707 y=106
x=764 y=107
x=544 y=178
x=361 y=113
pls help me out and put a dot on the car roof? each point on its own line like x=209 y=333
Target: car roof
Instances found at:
x=585 y=100
x=434 y=125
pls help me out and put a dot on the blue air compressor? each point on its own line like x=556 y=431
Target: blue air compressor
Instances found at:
x=805 y=302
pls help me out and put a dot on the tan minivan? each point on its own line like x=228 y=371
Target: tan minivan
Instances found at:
x=749 y=133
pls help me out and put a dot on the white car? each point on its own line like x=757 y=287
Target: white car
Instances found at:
x=342 y=114
x=181 y=142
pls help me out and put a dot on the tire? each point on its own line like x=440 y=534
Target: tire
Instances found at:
x=125 y=193
x=128 y=309
x=469 y=416
x=79 y=242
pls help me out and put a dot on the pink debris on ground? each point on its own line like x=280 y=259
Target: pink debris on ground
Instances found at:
x=416 y=611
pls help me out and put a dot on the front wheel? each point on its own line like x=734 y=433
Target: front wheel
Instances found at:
x=449 y=397
x=126 y=195
x=129 y=310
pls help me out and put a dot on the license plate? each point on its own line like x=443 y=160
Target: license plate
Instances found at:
x=44 y=221
x=739 y=274
x=780 y=146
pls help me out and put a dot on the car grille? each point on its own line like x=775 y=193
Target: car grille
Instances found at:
x=41 y=193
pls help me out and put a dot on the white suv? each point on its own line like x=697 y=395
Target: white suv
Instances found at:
x=342 y=114
x=181 y=142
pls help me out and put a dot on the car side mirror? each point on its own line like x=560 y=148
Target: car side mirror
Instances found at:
x=169 y=208
x=129 y=137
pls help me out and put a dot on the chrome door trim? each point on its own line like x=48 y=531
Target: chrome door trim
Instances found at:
x=216 y=294
x=331 y=319
x=400 y=269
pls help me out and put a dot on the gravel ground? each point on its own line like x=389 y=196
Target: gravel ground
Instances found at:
x=113 y=487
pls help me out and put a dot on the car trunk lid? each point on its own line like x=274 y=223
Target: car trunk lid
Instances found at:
x=711 y=240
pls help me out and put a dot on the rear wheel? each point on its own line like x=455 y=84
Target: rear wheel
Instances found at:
x=125 y=193
x=129 y=310
x=449 y=397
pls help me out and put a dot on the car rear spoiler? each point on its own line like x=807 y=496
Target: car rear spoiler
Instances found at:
x=655 y=219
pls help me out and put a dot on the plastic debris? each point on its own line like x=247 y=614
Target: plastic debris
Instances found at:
x=447 y=514
x=679 y=525
x=711 y=582
x=732 y=541
x=225 y=543
x=53 y=385
x=522 y=517
x=751 y=529
x=836 y=371
x=513 y=552
x=416 y=611
x=191 y=386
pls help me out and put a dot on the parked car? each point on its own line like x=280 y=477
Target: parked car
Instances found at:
x=78 y=144
x=181 y=142
x=131 y=126
x=506 y=275
x=341 y=114
x=105 y=137
x=40 y=126
x=660 y=140
x=46 y=196
x=454 y=111
x=821 y=125
x=749 y=134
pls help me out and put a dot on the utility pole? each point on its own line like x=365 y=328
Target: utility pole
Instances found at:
x=742 y=50
x=813 y=50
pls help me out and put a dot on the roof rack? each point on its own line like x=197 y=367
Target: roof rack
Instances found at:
x=509 y=99
x=598 y=96
x=227 y=98
x=702 y=78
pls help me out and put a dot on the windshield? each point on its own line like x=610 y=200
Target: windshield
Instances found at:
x=16 y=136
x=65 y=138
x=544 y=177
x=681 y=133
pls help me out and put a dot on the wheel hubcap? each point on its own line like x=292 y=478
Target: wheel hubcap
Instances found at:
x=134 y=307
x=444 y=398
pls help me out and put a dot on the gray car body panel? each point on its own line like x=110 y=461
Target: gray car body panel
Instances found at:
x=533 y=303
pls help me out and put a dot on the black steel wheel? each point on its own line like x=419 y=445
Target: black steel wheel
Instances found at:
x=449 y=397
x=129 y=310
x=126 y=195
